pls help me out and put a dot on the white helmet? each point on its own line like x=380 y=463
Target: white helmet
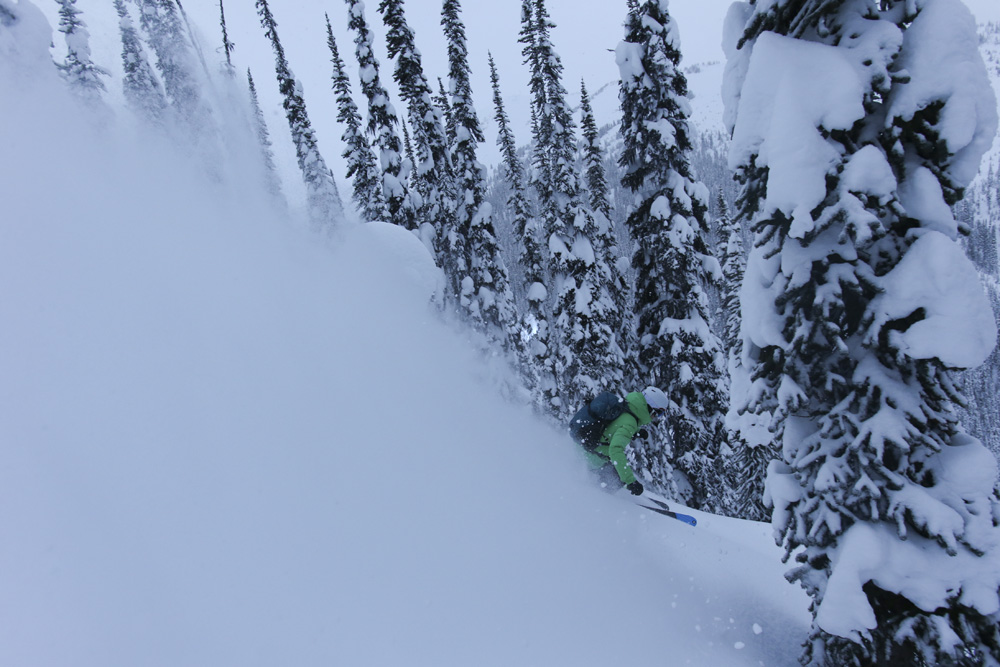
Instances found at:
x=655 y=398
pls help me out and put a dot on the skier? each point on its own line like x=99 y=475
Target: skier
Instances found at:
x=608 y=460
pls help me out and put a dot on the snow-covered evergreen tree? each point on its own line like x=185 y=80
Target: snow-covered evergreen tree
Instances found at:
x=361 y=165
x=748 y=456
x=856 y=125
x=678 y=351
x=227 y=46
x=598 y=191
x=733 y=269
x=382 y=122
x=485 y=289
x=408 y=148
x=142 y=89
x=273 y=180
x=593 y=157
x=585 y=321
x=80 y=71
x=533 y=341
x=323 y=199
x=161 y=21
x=432 y=173
x=441 y=100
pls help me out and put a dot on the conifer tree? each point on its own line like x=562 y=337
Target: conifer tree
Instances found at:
x=863 y=307
x=593 y=157
x=325 y=208
x=227 y=46
x=432 y=173
x=382 y=122
x=81 y=72
x=264 y=141
x=361 y=166
x=408 y=147
x=532 y=56
x=540 y=176
x=142 y=89
x=441 y=100
x=605 y=241
x=161 y=22
x=533 y=342
x=733 y=268
x=749 y=454
x=485 y=297
x=586 y=347
x=678 y=351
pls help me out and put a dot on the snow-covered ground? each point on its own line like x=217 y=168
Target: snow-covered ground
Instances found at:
x=224 y=442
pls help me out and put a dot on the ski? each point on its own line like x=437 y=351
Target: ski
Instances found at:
x=662 y=508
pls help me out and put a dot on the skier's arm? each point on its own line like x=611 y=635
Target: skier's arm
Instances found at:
x=616 y=449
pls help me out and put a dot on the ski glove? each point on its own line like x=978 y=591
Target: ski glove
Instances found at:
x=642 y=434
x=635 y=488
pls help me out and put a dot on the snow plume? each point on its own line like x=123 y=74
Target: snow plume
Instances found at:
x=858 y=305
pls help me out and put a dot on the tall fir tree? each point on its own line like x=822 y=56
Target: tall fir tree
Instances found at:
x=432 y=172
x=605 y=241
x=593 y=157
x=142 y=90
x=863 y=305
x=678 y=351
x=586 y=349
x=361 y=165
x=325 y=208
x=485 y=297
x=161 y=21
x=750 y=449
x=734 y=266
x=441 y=100
x=382 y=123
x=78 y=68
x=408 y=147
x=264 y=141
x=533 y=341
x=227 y=46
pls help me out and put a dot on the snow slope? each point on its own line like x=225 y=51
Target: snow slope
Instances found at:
x=223 y=442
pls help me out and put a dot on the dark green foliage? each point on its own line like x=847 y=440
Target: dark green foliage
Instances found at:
x=142 y=90
x=593 y=157
x=432 y=171
x=321 y=191
x=485 y=297
x=865 y=427
x=382 y=122
x=677 y=349
x=361 y=165
x=79 y=70
x=532 y=342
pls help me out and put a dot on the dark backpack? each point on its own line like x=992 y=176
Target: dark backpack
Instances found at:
x=588 y=424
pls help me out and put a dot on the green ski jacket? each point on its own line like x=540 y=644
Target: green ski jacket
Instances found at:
x=618 y=434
